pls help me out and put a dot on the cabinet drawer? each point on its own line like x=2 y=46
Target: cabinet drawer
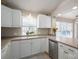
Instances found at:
x=66 y=47
x=68 y=50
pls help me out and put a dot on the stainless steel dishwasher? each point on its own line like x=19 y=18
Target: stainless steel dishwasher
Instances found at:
x=53 y=49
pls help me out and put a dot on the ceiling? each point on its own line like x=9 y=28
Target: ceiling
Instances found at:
x=39 y=6
x=65 y=9
x=47 y=6
x=70 y=15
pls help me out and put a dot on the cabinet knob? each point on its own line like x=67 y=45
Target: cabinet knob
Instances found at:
x=66 y=52
x=71 y=50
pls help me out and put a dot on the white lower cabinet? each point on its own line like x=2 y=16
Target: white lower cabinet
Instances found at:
x=40 y=45
x=5 y=52
x=60 y=52
x=15 y=50
x=44 y=45
x=47 y=45
x=20 y=49
x=25 y=48
x=8 y=53
x=35 y=46
x=66 y=52
x=76 y=54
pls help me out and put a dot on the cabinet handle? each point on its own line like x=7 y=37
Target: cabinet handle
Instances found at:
x=71 y=50
x=66 y=52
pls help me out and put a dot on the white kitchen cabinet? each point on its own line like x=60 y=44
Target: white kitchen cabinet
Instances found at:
x=35 y=46
x=6 y=16
x=25 y=48
x=73 y=53
x=28 y=47
x=39 y=45
x=76 y=54
x=43 y=21
x=6 y=52
x=10 y=17
x=44 y=46
x=16 y=18
x=47 y=45
x=60 y=51
x=15 y=50
x=67 y=52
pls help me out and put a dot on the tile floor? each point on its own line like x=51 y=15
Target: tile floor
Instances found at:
x=39 y=56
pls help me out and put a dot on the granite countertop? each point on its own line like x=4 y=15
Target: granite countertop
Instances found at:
x=6 y=40
x=23 y=38
x=68 y=41
x=4 y=43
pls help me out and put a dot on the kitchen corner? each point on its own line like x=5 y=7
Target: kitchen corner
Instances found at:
x=39 y=29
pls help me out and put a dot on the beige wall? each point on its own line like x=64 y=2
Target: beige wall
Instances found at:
x=64 y=19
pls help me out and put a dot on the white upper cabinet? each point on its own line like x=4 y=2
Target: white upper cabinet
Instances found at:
x=16 y=18
x=6 y=16
x=43 y=21
x=10 y=17
x=29 y=20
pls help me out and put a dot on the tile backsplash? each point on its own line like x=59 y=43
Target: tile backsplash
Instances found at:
x=9 y=31
x=13 y=31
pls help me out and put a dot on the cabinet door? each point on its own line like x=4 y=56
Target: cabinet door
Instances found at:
x=6 y=16
x=15 y=49
x=8 y=52
x=76 y=54
x=5 y=52
x=16 y=18
x=73 y=53
x=44 y=21
x=67 y=52
x=62 y=52
x=44 y=45
x=35 y=46
x=25 y=46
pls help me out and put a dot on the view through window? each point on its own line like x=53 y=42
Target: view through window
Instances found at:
x=65 y=29
x=29 y=23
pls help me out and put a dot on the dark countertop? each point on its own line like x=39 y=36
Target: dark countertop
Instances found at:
x=4 y=43
x=6 y=40
x=67 y=41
